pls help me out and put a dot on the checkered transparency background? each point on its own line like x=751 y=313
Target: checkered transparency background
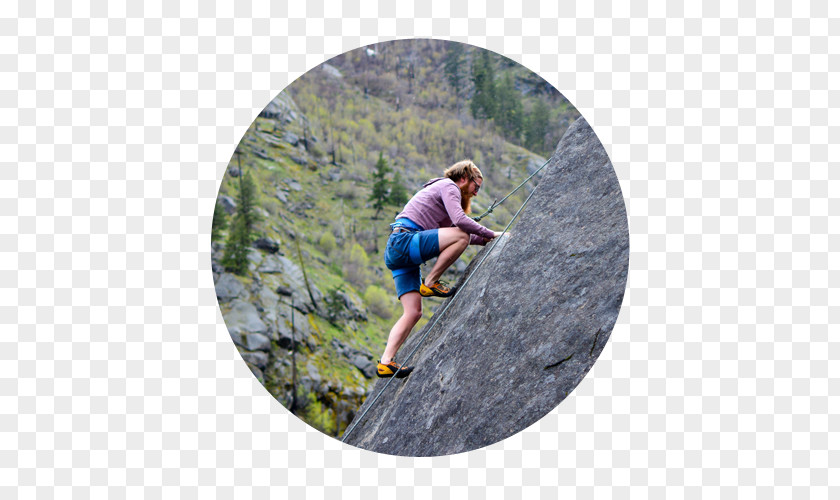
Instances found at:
x=118 y=377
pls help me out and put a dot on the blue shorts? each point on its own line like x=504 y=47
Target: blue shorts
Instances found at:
x=405 y=252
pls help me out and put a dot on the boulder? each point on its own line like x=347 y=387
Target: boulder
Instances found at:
x=291 y=138
x=346 y=307
x=243 y=318
x=364 y=365
x=301 y=333
x=257 y=342
x=294 y=282
x=274 y=264
x=228 y=287
x=268 y=137
x=266 y=301
x=266 y=298
x=310 y=377
x=281 y=107
x=496 y=362
x=267 y=244
x=258 y=359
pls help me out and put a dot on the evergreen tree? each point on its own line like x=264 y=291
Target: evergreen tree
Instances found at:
x=453 y=64
x=381 y=186
x=454 y=67
x=248 y=202
x=537 y=127
x=235 y=259
x=220 y=222
x=242 y=232
x=483 y=103
x=508 y=113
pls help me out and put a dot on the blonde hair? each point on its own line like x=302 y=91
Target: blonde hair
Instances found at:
x=463 y=169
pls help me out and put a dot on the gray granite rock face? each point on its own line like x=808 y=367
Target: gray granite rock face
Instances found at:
x=244 y=318
x=257 y=342
x=281 y=107
x=526 y=328
x=228 y=287
x=258 y=359
x=293 y=276
x=364 y=365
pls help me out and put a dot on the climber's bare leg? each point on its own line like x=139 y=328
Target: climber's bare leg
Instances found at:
x=452 y=242
x=412 y=311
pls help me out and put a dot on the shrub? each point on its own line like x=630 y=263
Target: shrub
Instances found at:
x=327 y=242
x=378 y=302
x=355 y=265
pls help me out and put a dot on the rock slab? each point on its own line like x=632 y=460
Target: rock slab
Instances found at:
x=526 y=328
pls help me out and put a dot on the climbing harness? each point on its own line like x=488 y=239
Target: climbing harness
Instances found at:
x=408 y=226
x=446 y=307
x=496 y=204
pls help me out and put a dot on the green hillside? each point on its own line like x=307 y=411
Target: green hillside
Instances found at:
x=312 y=155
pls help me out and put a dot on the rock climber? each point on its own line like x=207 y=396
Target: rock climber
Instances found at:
x=434 y=223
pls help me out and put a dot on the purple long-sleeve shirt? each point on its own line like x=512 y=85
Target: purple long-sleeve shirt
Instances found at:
x=438 y=204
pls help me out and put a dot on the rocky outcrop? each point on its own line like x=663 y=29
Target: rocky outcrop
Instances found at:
x=283 y=108
x=228 y=287
x=267 y=244
x=292 y=275
x=243 y=318
x=526 y=328
x=268 y=314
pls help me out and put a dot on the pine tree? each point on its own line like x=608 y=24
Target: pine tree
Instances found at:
x=235 y=259
x=248 y=202
x=537 y=126
x=220 y=222
x=483 y=103
x=453 y=64
x=454 y=68
x=242 y=232
x=381 y=186
x=509 y=109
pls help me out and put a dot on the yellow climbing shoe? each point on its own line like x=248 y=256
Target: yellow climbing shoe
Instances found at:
x=438 y=289
x=385 y=371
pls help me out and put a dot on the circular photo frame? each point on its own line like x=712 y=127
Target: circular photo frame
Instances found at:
x=420 y=247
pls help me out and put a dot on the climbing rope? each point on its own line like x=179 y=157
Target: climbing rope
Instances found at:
x=496 y=204
x=445 y=308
